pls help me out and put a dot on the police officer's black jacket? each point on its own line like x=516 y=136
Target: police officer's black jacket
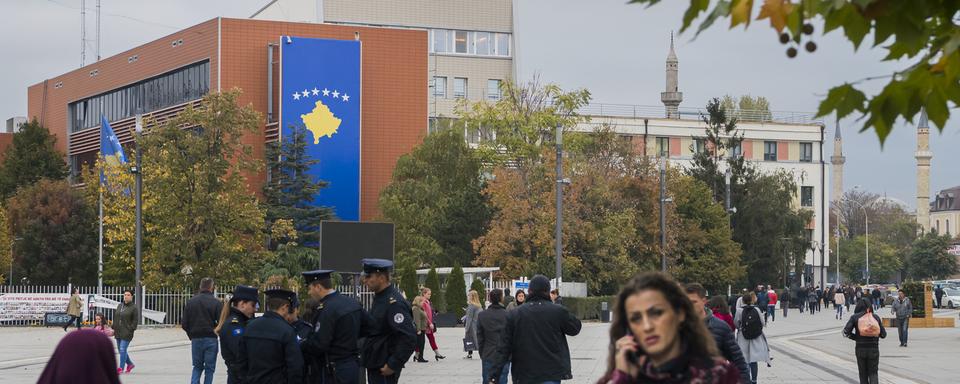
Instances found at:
x=535 y=342
x=200 y=315
x=391 y=336
x=338 y=322
x=230 y=334
x=269 y=352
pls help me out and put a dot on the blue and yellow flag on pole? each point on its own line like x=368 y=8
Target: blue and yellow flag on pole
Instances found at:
x=110 y=148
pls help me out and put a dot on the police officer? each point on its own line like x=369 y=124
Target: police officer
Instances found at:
x=233 y=320
x=337 y=321
x=269 y=350
x=390 y=335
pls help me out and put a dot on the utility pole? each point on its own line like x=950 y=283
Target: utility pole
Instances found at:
x=138 y=174
x=560 y=182
x=663 y=215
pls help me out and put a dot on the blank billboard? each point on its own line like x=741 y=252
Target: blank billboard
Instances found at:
x=344 y=243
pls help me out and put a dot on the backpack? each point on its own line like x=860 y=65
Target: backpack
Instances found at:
x=751 y=326
x=867 y=325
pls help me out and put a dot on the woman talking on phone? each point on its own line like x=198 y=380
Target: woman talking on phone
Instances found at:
x=656 y=337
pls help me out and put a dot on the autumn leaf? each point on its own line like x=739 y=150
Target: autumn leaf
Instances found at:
x=777 y=11
x=740 y=12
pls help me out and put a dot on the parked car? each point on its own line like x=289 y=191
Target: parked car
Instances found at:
x=951 y=297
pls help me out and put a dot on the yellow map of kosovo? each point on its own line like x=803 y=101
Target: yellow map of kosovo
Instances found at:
x=321 y=122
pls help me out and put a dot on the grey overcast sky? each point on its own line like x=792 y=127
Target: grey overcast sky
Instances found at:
x=617 y=51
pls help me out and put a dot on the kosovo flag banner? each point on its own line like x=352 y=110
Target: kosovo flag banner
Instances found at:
x=320 y=91
x=110 y=148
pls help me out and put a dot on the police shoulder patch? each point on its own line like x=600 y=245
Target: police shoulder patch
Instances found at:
x=237 y=331
x=398 y=318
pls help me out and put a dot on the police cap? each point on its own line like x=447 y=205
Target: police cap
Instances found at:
x=320 y=274
x=246 y=292
x=376 y=266
x=285 y=295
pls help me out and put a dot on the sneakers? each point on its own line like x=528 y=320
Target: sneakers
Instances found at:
x=119 y=371
x=129 y=368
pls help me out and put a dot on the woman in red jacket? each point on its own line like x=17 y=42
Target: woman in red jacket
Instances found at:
x=431 y=328
x=721 y=310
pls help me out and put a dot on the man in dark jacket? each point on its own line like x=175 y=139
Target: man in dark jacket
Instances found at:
x=200 y=316
x=337 y=324
x=722 y=334
x=269 y=352
x=490 y=326
x=390 y=335
x=536 y=324
x=762 y=299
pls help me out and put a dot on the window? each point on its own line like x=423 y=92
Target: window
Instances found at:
x=806 y=152
x=441 y=40
x=699 y=145
x=770 y=150
x=440 y=86
x=948 y=227
x=460 y=87
x=493 y=89
x=663 y=146
x=483 y=43
x=806 y=196
x=461 y=42
x=938 y=226
x=172 y=88
x=503 y=44
x=738 y=150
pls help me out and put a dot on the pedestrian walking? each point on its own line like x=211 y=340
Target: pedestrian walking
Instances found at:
x=391 y=336
x=519 y=298
x=535 y=339
x=100 y=325
x=750 y=336
x=200 y=316
x=74 y=310
x=555 y=297
x=427 y=293
x=269 y=351
x=939 y=292
x=785 y=301
x=420 y=324
x=866 y=328
x=82 y=357
x=724 y=337
x=902 y=309
x=338 y=322
x=762 y=299
x=656 y=337
x=491 y=323
x=812 y=302
x=771 y=305
x=125 y=321
x=721 y=310
x=875 y=298
x=837 y=299
x=819 y=298
x=470 y=323
x=234 y=316
x=802 y=298
x=507 y=298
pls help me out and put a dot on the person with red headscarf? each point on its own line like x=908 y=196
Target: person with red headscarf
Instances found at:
x=82 y=357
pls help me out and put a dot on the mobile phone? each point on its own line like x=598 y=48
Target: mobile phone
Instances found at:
x=631 y=355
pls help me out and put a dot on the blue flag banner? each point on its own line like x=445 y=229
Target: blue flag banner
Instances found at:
x=320 y=91
x=110 y=147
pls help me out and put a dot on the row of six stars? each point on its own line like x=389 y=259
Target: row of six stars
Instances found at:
x=316 y=92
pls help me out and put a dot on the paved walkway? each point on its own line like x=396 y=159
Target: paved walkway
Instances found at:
x=806 y=349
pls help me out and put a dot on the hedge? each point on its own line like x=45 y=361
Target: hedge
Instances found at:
x=914 y=291
x=587 y=308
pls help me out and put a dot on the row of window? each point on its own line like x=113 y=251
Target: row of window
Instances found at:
x=769 y=149
x=937 y=228
x=460 y=88
x=470 y=42
x=172 y=88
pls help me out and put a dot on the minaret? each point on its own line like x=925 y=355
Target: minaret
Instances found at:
x=837 y=160
x=923 y=156
x=672 y=96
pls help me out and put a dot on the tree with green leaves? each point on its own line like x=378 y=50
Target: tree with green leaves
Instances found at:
x=5 y=244
x=884 y=260
x=747 y=108
x=435 y=200
x=721 y=138
x=408 y=283
x=481 y=289
x=433 y=283
x=922 y=34
x=32 y=156
x=57 y=234
x=456 y=292
x=929 y=259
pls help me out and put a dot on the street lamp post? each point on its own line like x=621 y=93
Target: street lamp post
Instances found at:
x=138 y=174
x=560 y=183
x=814 y=247
x=663 y=215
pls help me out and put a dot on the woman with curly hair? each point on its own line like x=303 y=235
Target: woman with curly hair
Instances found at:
x=656 y=337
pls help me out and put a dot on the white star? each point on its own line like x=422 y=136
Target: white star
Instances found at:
x=336 y=94
x=315 y=91
x=296 y=96
x=346 y=97
x=326 y=92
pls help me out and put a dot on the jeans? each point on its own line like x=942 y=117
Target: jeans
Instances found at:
x=74 y=320
x=876 y=304
x=124 y=357
x=902 y=325
x=868 y=362
x=839 y=311
x=771 y=311
x=204 y=351
x=785 y=305
x=488 y=366
x=753 y=372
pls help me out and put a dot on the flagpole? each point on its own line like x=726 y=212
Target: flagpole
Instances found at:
x=100 y=261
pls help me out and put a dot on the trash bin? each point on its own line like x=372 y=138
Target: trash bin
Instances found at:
x=604 y=312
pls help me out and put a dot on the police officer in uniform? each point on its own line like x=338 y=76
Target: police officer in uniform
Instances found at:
x=390 y=336
x=233 y=320
x=269 y=350
x=338 y=321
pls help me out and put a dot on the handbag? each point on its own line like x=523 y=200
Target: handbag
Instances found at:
x=469 y=345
